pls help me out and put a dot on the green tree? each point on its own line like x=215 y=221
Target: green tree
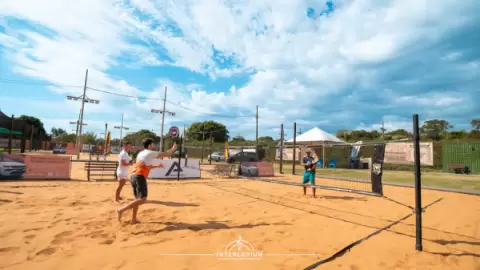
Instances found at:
x=435 y=129
x=66 y=138
x=399 y=134
x=89 y=138
x=455 y=135
x=475 y=124
x=343 y=134
x=266 y=141
x=57 y=131
x=198 y=130
x=137 y=137
x=31 y=120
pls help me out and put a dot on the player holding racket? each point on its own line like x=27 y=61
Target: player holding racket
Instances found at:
x=139 y=177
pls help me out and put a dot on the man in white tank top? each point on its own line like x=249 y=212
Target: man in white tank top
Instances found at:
x=124 y=161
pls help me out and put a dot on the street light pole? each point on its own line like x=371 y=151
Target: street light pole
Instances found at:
x=163 y=118
x=81 y=115
x=121 y=127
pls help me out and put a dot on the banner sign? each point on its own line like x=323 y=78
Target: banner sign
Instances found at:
x=376 y=172
x=174 y=133
x=15 y=167
x=255 y=169
x=115 y=149
x=402 y=153
x=189 y=168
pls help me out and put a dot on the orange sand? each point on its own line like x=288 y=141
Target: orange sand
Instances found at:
x=72 y=225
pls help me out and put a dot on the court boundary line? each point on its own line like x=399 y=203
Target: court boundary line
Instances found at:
x=347 y=248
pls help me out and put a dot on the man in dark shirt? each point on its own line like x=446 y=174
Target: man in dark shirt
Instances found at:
x=309 y=174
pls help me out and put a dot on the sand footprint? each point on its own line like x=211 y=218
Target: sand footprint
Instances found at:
x=47 y=251
x=7 y=249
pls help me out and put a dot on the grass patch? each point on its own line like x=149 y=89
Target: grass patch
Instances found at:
x=431 y=179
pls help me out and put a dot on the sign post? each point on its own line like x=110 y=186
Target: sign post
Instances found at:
x=174 y=134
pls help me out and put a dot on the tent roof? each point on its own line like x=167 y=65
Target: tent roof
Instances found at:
x=316 y=135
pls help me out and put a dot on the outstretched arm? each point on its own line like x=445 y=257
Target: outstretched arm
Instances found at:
x=168 y=153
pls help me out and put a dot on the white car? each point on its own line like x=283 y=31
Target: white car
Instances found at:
x=10 y=169
x=216 y=157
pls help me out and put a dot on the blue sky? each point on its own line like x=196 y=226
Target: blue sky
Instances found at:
x=331 y=64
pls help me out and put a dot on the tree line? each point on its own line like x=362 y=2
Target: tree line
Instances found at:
x=215 y=132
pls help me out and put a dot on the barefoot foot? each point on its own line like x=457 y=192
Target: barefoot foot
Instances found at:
x=119 y=215
x=135 y=221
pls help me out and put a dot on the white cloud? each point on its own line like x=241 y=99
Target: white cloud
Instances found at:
x=299 y=66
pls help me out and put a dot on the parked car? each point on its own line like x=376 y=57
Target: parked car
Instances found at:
x=243 y=156
x=176 y=153
x=10 y=169
x=59 y=150
x=216 y=156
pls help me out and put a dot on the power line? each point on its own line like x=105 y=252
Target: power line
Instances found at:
x=122 y=95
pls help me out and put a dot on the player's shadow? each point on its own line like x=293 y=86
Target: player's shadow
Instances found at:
x=171 y=204
x=453 y=242
x=209 y=225
x=5 y=201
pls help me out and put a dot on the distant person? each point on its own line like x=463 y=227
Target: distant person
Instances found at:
x=124 y=161
x=139 y=177
x=309 y=174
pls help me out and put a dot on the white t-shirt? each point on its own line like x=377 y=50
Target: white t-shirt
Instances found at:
x=147 y=156
x=123 y=170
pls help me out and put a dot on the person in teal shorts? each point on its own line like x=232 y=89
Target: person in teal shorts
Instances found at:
x=309 y=174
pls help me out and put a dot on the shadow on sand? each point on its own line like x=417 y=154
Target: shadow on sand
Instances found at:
x=171 y=204
x=209 y=225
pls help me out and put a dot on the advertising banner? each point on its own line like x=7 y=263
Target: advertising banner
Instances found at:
x=402 y=153
x=254 y=169
x=115 y=149
x=34 y=167
x=189 y=168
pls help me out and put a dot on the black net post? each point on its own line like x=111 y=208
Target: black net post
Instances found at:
x=418 y=183
x=376 y=171
x=180 y=157
x=281 y=148
x=294 y=161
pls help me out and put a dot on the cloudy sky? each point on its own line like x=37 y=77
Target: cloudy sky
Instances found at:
x=346 y=64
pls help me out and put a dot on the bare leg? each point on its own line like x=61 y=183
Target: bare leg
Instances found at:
x=135 y=203
x=134 y=215
x=304 y=190
x=120 y=185
x=313 y=191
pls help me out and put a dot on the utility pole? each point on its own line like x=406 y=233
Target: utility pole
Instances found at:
x=121 y=127
x=163 y=119
x=383 y=129
x=106 y=127
x=81 y=115
x=163 y=111
x=256 y=137
x=84 y=99
x=281 y=148
x=300 y=132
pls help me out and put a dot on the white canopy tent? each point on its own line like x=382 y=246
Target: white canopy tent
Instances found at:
x=317 y=136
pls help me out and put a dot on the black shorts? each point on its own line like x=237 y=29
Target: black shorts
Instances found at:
x=139 y=186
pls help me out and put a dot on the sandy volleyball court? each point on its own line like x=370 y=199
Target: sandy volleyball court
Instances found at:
x=72 y=225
